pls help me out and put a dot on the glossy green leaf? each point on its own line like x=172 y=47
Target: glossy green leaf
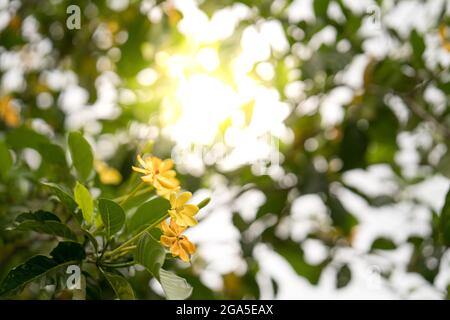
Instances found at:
x=44 y=222
x=63 y=196
x=65 y=254
x=113 y=216
x=68 y=250
x=120 y=285
x=150 y=253
x=175 y=287
x=343 y=276
x=85 y=202
x=148 y=213
x=81 y=153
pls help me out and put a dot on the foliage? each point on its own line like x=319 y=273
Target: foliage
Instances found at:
x=100 y=214
x=98 y=246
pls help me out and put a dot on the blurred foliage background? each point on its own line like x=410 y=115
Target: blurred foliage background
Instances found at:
x=350 y=97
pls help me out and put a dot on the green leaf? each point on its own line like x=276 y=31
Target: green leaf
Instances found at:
x=294 y=254
x=136 y=201
x=418 y=46
x=53 y=154
x=120 y=286
x=444 y=221
x=353 y=146
x=5 y=160
x=68 y=251
x=85 y=202
x=112 y=215
x=44 y=222
x=320 y=8
x=148 y=213
x=40 y=216
x=340 y=216
x=63 y=196
x=343 y=276
x=81 y=153
x=150 y=254
x=24 y=137
x=175 y=287
x=204 y=203
x=444 y=165
x=383 y=244
x=91 y=239
x=65 y=254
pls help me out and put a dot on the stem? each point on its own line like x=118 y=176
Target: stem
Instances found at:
x=137 y=236
x=134 y=193
x=121 y=254
x=123 y=251
x=130 y=195
x=104 y=250
x=119 y=264
x=128 y=248
x=138 y=193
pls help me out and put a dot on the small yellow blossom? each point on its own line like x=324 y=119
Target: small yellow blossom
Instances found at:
x=107 y=174
x=159 y=174
x=178 y=244
x=443 y=35
x=7 y=112
x=182 y=213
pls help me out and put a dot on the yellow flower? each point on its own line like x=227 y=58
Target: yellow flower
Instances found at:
x=179 y=244
x=107 y=174
x=182 y=213
x=7 y=112
x=158 y=173
x=443 y=35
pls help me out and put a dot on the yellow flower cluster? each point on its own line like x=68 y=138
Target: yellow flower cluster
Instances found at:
x=174 y=239
x=160 y=174
x=107 y=174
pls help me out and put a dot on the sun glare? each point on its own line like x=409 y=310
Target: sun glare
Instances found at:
x=211 y=104
x=207 y=110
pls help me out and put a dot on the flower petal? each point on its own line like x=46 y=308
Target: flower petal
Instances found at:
x=168 y=183
x=167 y=230
x=144 y=171
x=190 y=209
x=141 y=162
x=183 y=198
x=175 y=249
x=165 y=193
x=187 y=245
x=173 y=200
x=183 y=254
x=156 y=162
x=190 y=221
x=167 y=241
x=147 y=178
x=169 y=174
x=177 y=229
x=166 y=165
